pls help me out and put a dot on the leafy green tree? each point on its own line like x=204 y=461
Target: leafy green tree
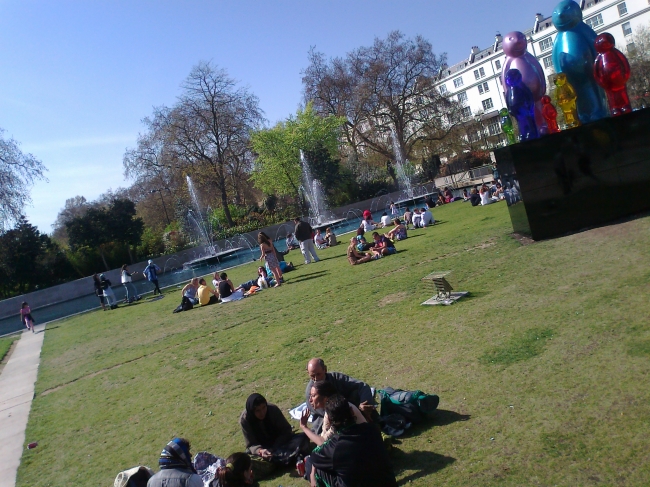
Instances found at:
x=277 y=166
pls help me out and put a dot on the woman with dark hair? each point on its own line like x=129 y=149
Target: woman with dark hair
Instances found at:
x=176 y=466
x=269 y=255
x=237 y=472
x=131 y=293
x=354 y=455
x=99 y=291
x=268 y=434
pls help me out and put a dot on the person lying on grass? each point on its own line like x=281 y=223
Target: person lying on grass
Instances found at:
x=354 y=455
x=206 y=295
x=268 y=434
x=354 y=256
x=383 y=244
x=398 y=232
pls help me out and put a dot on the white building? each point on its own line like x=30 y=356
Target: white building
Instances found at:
x=476 y=81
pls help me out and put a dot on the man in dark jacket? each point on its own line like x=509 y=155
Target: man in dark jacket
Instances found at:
x=176 y=468
x=354 y=456
x=354 y=390
x=304 y=234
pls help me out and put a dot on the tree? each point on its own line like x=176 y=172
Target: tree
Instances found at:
x=638 y=54
x=18 y=172
x=381 y=90
x=100 y=226
x=73 y=207
x=277 y=167
x=211 y=126
x=29 y=260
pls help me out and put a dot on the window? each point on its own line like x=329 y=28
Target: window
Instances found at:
x=443 y=89
x=627 y=29
x=458 y=82
x=546 y=44
x=497 y=64
x=595 y=21
x=631 y=48
x=462 y=96
x=548 y=61
x=483 y=88
x=622 y=9
x=494 y=128
x=466 y=112
x=473 y=136
x=479 y=73
x=487 y=104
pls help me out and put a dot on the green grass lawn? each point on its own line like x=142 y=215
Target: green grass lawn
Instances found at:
x=5 y=345
x=542 y=371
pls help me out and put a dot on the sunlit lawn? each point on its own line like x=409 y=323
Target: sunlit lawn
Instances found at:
x=542 y=371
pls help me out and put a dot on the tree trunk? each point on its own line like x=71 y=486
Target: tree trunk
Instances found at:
x=128 y=247
x=224 y=200
x=101 y=253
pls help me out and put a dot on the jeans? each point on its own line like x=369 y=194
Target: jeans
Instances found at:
x=308 y=250
x=131 y=293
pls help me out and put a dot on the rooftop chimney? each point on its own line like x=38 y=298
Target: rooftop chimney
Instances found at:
x=538 y=20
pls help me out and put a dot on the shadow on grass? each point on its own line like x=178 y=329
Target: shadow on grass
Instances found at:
x=307 y=277
x=423 y=462
x=441 y=417
x=473 y=295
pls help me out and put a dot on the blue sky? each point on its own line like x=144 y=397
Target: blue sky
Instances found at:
x=77 y=77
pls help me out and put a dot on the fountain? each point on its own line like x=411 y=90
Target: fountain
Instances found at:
x=203 y=227
x=319 y=216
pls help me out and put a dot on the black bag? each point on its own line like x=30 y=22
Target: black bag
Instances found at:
x=413 y=405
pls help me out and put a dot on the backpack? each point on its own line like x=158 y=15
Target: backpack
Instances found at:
x=413 y=405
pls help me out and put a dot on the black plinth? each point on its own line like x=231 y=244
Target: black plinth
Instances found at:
x=579 y=178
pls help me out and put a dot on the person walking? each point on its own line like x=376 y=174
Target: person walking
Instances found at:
x=131 y=293
x=304 y=234
x=26 y=316
x=151 y=273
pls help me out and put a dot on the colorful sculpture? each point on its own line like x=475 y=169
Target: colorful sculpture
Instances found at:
x=521 y=105
x=550 y=115
x=532 y=74
x=565 y=98
x=506 y=126
x=573 y=55
x=612 y=71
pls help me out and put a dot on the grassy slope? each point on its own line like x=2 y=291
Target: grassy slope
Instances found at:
x=543 y=370
x=5 y=344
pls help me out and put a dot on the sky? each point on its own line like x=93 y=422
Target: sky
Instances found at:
x=77 y=77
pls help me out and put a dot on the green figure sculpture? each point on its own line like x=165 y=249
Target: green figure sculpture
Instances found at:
x=506 y=126
x=565 y=97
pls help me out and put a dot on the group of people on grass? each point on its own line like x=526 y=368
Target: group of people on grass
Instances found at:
x=484 y=194
x=342 y=447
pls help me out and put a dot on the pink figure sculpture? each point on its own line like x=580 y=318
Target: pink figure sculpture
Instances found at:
x=550 y=115
x=532 y=74
x=612 y=71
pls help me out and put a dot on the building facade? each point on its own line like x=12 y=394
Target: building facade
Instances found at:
x=476 y=81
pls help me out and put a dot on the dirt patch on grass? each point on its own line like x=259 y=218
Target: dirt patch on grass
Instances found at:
x=522 y=239
x=392 y=298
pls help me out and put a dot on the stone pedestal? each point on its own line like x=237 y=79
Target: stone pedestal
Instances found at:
x=579 y=178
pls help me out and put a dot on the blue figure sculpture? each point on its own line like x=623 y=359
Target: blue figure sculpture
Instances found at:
x=521 y=105
x=574 y=54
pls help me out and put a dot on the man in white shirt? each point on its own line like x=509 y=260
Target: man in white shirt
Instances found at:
x=385 y=220
x=427 y=217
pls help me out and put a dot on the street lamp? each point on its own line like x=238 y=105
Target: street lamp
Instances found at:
x=162 y=200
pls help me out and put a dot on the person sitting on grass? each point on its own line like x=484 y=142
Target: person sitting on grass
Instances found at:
x=237 y=472
x=206 y=295
x=486 y=199
x=354 y=256
x=268 y=436
x=190 y=290
x=417 y=218
x=354 y=455
x=474 y=197
x=427 y=217
x=330 y=237
x=465 y=195
x=292 y=243
x=368 y=224
x=227 y=291
x=408 y=217
x=383 y=244
x=319 y=240
x=398 y=232
x=385 y=220
x=362 y=244
x=176 y=466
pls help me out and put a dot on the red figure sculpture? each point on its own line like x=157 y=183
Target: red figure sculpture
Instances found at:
x=612 y=71
x=550 y=115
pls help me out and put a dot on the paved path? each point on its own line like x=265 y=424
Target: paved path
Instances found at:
x=16 y=393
